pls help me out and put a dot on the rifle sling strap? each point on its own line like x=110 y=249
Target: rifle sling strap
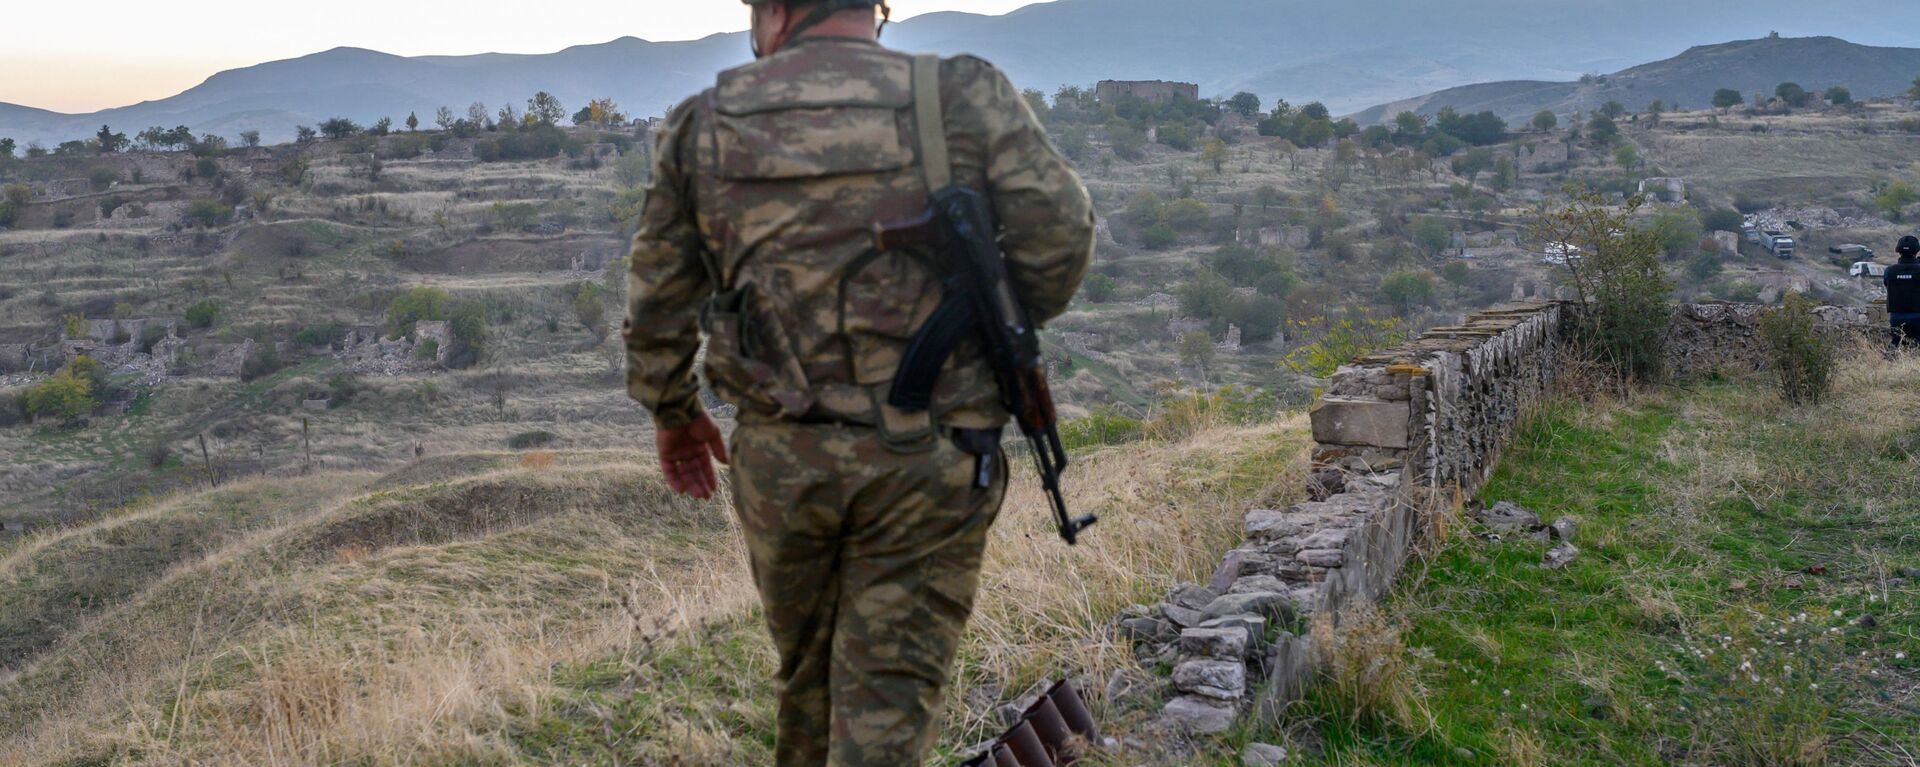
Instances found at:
x=930 y=123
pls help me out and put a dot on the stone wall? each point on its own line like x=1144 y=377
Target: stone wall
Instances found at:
x=1394 y=430
x=1397 y=433
x=1725 y=338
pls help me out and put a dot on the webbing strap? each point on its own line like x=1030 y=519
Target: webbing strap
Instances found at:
x=929 y=122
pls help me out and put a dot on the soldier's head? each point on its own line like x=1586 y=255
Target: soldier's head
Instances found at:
x=777 y=22
x=1908 y=248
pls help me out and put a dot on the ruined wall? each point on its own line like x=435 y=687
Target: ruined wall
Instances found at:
x=1149 y=90
x=1397 y=433
x=1725 y=338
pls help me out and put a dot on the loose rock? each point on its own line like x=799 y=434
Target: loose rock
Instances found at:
x=1224 y=680
x=1197 y=715
x=1270 y=604
x=1262 y=755
x=1559 y=556
x=1507 y=516
x=1257 y=583
x=1563 y=528
x=1218 y=643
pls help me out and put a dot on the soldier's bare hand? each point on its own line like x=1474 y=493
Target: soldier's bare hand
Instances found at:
x=687 y=455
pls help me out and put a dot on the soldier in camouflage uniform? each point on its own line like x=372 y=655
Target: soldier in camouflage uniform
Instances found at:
x=865 y=525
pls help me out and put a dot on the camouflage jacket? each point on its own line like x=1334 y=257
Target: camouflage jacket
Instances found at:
x=757 y=230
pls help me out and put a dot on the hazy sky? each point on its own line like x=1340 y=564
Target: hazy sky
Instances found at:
x=107 y=53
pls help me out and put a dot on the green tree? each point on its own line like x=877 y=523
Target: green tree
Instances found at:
x=64 y=395
x=337 y=128
x=1037 y=101
x=1914 y=92
x=588 y=308
x=1432 y=234
x=1792 y=94
x=1259 y=316
x=6 y=148
x=250 y=138
x=1612 y=110
x=1727 y=98
x=1408 y=126
x=1703 y=267
x=1144 y=210
x=1098 y=288
x=1160 y=237
x=1618 y=280
x=1244 y=103
x=1214 y=152
x=110 y=142
x=1895 y=198
x=1602 y=130
x=1457 y=273
x=1839 y=95
x=1204 y=296
x=303 y=135
x=417 y=303
x=1405 y=290
x=468 y=326
x=1545 y=120
x=1721 y=220
x=382 y=126
x=1187 y=215
x=1678 y=230
x=1196 y=350
x=545 y=109
x=1626 y=156
x=203 y=314
x=1473 y=163
x=413 y=122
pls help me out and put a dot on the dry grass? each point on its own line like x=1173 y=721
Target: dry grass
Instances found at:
x=440 y=623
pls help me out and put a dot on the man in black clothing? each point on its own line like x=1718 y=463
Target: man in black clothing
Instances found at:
x=1903 y=294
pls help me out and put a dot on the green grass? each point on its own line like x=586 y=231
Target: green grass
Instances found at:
x=1690 y=629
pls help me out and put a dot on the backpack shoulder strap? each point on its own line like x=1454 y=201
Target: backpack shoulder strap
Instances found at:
x=930 y=123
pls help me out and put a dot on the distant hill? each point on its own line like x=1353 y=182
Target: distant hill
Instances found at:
x=1349 y=55
x=1689 y=79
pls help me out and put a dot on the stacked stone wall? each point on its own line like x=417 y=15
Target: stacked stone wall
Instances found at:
x=1398 y=433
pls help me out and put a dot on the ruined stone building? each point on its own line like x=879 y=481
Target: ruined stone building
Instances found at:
x=1156 y=91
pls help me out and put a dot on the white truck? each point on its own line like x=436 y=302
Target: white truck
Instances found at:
x=1778 y=243
x=1866 y=269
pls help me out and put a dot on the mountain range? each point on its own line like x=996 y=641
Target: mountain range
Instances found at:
x=1689 y=79
x=1349 y=55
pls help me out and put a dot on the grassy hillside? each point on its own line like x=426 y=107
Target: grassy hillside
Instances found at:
x=539 y=608
x=1744 y=595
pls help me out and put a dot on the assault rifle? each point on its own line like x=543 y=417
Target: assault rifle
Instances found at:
x=977 y=301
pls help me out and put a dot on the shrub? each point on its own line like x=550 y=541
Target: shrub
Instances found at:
x=1103 y=426
x=469 y=326
x=428 y=350
x=320 y=334
x=158 y=454
x=1187 y=215
x=263 y=361
x=1803 y=357
x=1338 y=343
x=203 y=314
x=65 y=395
x=1098 y=288
x=418 y=303
x=1159 y=237
x=207 y=213
x=527 y=440
x=1619 y=281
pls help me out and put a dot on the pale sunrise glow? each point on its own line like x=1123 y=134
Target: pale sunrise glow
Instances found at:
x=128 y=52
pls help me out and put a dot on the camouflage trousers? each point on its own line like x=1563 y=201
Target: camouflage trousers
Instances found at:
x=867 y=561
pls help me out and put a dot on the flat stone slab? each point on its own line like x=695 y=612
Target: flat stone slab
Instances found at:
x=1197 y=715
x=1344 y=421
